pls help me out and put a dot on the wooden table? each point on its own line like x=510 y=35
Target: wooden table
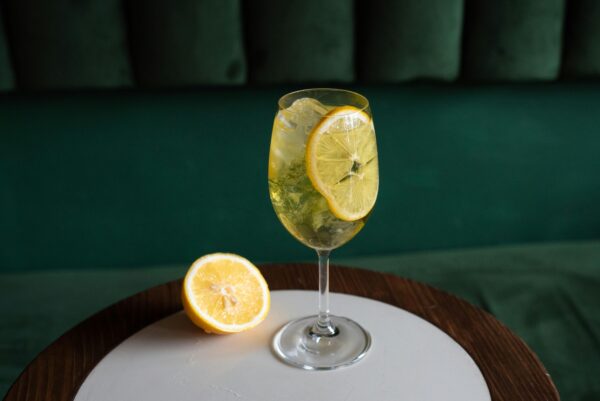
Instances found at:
x=512 y=371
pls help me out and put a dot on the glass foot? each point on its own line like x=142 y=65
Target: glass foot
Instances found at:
x=297 y=345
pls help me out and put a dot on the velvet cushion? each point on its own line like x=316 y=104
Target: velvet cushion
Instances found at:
x=513 y=39
x=404 y=40
x=6 y=74
x=300 y=40
x=187 y=42
x=68 y=44
x=582 y=39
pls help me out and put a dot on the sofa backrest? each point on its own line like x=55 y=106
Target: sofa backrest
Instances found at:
x=131 y=178
x=49 y=44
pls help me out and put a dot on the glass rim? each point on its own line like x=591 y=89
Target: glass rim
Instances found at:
x=362 y=99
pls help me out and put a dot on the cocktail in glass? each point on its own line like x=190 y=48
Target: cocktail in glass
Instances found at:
x=323 y=183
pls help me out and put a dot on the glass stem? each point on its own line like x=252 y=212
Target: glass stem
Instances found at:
x=323 y=326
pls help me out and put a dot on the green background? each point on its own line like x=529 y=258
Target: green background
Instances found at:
x=111 y=191
x=142 y=178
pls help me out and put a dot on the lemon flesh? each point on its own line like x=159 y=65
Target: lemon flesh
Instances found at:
x=341 y=162
x=225 y=293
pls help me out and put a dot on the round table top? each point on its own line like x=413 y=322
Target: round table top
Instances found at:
x=511 y=370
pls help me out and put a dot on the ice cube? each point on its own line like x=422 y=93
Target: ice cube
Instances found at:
x=304 y=113
x=293 y=125
x=308 y=108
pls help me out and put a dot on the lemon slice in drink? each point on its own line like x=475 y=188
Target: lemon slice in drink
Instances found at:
x=341 y=162
x=225 y=293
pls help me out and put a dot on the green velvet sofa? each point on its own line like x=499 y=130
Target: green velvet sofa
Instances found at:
x=134 y=138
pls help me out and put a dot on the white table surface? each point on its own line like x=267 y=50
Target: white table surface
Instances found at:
x=410 y=360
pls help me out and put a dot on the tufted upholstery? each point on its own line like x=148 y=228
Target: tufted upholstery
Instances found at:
x=187 y=42
x=118 y=43
x=299 y=41
x=6 y=75
x=68 y=44
x=582 y=33
x=405 y=40
x=513 y=39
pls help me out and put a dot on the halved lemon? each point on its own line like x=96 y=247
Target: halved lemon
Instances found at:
x=225 y=293
x=341 y=162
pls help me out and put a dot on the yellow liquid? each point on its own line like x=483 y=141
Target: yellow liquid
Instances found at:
x=299 y=206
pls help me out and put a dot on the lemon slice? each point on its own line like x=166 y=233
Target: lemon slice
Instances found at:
x=225 y=293
x=341 y=162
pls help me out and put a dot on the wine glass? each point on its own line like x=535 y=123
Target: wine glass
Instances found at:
x=323 y=183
